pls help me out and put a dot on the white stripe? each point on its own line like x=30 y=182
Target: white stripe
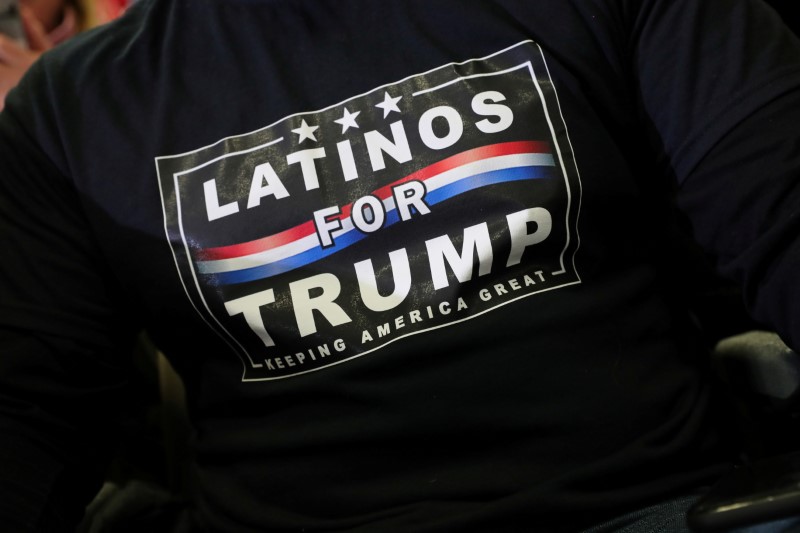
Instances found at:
x=501 y=162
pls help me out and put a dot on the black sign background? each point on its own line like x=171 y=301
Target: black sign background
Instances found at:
x=304 y=338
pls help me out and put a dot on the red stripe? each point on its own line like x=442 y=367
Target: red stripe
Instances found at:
x=307 y=228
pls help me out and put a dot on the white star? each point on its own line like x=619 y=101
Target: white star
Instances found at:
x=389 y=104
x=305 y=132
x=348 y=120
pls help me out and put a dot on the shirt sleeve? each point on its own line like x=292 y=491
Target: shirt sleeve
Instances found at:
x=64 y=340
x=720 y=96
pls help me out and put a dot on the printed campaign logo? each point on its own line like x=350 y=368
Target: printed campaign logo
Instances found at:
x=421 y=204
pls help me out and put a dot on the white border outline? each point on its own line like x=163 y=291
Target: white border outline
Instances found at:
x=574 y=162
x=308 y=113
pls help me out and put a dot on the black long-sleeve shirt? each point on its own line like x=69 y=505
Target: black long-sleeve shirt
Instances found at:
x=415 y=261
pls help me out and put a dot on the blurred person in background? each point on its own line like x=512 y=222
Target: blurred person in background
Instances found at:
x=48 y=23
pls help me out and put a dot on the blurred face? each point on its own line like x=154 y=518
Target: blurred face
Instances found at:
x=47 y=11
